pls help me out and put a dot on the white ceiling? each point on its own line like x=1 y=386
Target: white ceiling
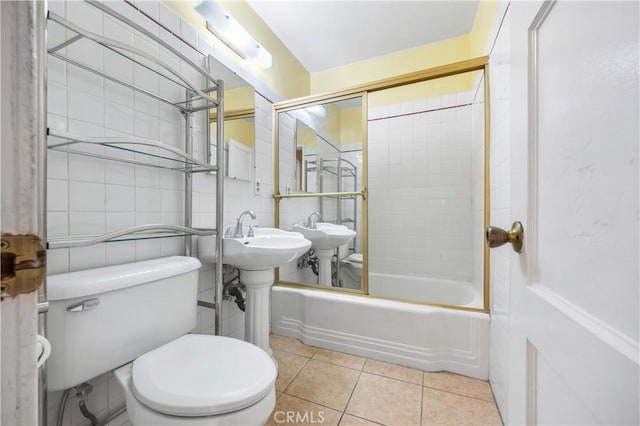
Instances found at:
x=327 y=34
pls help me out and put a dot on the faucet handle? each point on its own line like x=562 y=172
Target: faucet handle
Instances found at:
x=251 y=233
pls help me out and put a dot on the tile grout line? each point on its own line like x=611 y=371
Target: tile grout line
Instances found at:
x=422 y=400
x=294 y=377
x=459 y=394
x=352 y=392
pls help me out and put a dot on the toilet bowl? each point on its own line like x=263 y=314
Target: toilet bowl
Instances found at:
x=217 y=381
x=354 y=262
x=136 y=318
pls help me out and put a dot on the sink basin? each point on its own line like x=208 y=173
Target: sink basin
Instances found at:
x=269 y=248
x=326 y=236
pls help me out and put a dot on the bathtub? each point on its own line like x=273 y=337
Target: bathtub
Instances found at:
x=419 y=289
x=424 y=337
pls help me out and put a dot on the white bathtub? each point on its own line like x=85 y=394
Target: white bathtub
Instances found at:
x=419 y=289
x=423 y=337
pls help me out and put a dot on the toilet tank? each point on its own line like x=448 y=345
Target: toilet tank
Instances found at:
x=100 y=319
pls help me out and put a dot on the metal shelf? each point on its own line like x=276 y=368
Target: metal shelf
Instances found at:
x=167 y=156
x=142 y=232
x=66 y=33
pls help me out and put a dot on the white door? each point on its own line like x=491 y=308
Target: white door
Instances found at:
x=574 y=147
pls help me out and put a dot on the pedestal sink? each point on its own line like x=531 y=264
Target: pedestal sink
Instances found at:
x=325 y=238
x=256 y=257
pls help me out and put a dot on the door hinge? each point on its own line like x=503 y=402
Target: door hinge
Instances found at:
x=24 y=260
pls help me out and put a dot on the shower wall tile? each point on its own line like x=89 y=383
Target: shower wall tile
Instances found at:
x=420 y=189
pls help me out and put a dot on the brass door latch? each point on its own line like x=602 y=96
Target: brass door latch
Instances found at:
x=24 y=260
x=496 y=236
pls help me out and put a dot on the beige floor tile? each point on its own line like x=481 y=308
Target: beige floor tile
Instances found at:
x=289 y=365
x=444 y=408
x=337 y=358
x=461 y=385
x=326 y=384
x=291 y=411
x=291 y=345
x=387 y=401
x=349 y=420
x=393 y=371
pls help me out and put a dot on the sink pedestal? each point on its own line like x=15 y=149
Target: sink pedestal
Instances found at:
x=257 y=310
x=324 y=266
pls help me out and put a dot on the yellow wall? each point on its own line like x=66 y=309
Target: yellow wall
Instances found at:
x=305 y=135
x=468 y=46
x=428 y=56
x=351 y=125
x=240 y=98
x=483 y=26
x=241 y=130
x=286 y=76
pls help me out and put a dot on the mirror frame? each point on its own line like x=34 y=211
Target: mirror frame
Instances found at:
x=470 y=65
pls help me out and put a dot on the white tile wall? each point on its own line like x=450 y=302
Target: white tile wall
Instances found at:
x=420 y=189
x=500 y=212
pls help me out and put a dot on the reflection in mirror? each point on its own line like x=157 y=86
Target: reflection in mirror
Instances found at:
x=330 y=242
x=316 y=134
x=320 y=151
x=426 y=191
x=239 y=124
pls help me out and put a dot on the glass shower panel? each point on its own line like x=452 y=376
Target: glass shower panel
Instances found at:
x=426 y=191
x=345 y=261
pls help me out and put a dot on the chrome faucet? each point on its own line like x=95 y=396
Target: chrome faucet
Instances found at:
x=311 y=223
x=237 y=232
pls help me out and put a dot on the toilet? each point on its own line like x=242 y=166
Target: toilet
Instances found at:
x=354 y=262
x=134 y=319
x=352 y=270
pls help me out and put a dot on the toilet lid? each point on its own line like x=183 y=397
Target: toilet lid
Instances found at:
x=355 y=257
x=202 y=375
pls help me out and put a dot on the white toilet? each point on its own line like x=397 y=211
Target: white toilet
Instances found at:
x=104 y=318
x=351 y=275
x=354 y=261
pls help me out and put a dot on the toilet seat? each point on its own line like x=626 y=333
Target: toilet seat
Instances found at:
x=355 y=260
x=355 y=257
x=197 y=375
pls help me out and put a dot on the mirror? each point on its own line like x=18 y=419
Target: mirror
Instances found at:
x=239 y=124
x=320 y=164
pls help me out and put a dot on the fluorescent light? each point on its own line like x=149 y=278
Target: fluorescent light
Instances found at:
x=231 y=33
x=317 y=110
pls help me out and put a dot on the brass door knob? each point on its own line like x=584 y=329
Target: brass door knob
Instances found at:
x=496 y=236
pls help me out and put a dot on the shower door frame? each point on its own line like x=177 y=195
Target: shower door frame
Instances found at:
x=475 y=64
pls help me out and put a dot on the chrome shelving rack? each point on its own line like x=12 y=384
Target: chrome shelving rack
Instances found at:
x=342 y=169
x=145 y=152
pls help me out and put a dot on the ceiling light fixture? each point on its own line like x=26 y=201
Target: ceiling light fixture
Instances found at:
x=317 y=110
x=231 y=33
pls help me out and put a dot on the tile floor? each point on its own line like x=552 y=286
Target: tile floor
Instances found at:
x=317 y=386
